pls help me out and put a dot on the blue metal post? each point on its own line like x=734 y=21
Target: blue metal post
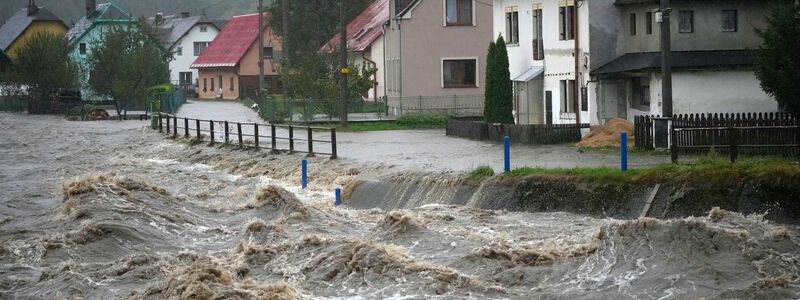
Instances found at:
x=338 y=196
x=623 y=144
x=507 y=154
x=304 y=178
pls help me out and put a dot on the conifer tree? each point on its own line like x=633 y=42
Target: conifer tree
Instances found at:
x=499 y=91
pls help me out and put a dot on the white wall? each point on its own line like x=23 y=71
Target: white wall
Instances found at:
x=183 y=63
x=723 y=91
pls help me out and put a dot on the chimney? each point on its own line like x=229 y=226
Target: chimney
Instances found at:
x=32 y=8
x=159 y=18
x=91 y=6
x=185 y=14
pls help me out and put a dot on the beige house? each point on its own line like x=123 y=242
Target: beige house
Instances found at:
x=436 y=54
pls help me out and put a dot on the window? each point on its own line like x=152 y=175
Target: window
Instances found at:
x=460 y=73
x=268 y=52
x=82 y=47
x=512 y=25
x=205 y=84
x=199 y=47
x=729 y=20
x=538 y=43
x=458 y=12
x=185 y=78
x=203 y=28
x=567 y=96
x=648 y=19
x=686 y=21
x=232 y=83
x=212 y=85
x=179 y=51
x=566 y=14
x=219 y=79
x=632 y=25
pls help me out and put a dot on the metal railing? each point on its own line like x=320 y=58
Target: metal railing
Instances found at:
x=455 y=105
x=302 y=139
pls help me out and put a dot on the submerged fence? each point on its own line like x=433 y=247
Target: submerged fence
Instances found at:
x=521 y=134
x=455 y=105
x=275 y=137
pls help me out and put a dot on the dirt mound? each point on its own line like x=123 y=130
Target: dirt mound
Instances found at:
x=97 y=114
x=608 y=135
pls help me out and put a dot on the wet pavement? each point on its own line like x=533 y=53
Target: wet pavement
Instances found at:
x=432 y=150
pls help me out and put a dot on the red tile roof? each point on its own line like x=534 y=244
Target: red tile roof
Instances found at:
x=364 y=29
x=231 y=44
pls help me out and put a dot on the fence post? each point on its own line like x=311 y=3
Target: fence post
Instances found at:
x=197 y=123
x=333 y=144
x=310 y=142
x=733 y=138
x=272 y=138
x=420 y=105
x=168 y=120
x=338 y=197
x=304 y=174
x=160 y=124
x=227 y=139
x=291 y=139
x=623 y=148
x=506 y=154
x=211 y=130
x=673 y=143
x=175 y=127
x=239 y=133
x=255 y=134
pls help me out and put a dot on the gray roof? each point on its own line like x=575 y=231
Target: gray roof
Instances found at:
x=531 y=73
x=680 y=60
x=173 y=29
x=20 y=21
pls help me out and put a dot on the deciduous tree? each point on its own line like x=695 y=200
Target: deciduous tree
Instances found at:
x=44 y=66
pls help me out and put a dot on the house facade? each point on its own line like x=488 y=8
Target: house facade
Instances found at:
x=436 y=48
x=228 y=68
x=712 y=67
x=365 y=44
x=88 y=33
x=26 y=23
x=186 y=37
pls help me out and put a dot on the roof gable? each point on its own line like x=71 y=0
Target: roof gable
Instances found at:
x=16 y=25
x=232 y=43
x=364 y=29
x=105 y=13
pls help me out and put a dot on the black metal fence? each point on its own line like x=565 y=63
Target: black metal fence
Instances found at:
x=275 y=137
x=522 y=134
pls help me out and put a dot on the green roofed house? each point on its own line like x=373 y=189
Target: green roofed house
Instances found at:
x=88 y=33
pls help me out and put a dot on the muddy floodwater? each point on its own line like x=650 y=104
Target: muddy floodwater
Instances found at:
x=110 y=210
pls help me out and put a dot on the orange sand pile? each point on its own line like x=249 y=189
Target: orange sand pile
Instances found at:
x=608 y=135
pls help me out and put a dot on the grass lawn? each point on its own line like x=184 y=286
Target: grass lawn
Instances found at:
x=406 y=122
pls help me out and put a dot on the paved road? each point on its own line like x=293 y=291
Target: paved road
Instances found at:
x=431 y=150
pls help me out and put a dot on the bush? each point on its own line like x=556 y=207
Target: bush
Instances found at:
x=479 y=174
x=421 y=121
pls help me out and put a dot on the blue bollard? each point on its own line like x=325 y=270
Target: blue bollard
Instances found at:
x=507 y=154
x=338 y=196
x=623 y=151
x=304 y=178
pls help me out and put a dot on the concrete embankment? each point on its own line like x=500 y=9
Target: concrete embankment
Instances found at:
x=777 y=196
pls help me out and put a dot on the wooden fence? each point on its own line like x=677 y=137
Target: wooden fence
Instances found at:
x=278 y=137
x=522 y=134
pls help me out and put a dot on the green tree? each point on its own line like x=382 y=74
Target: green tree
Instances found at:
x=125 y=63
x=775 y=65
x=43 y=64
x=499 y=94
x=316 y=76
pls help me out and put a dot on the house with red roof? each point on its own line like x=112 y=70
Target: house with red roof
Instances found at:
x=228 y=68
x=365 y=43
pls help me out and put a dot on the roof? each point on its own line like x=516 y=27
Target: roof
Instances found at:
x=231 y=43
x=20 y=21
x=364 y=29
x=401 y=7
x=172 y=29
x=106 y=12
x=531 y=73
x=680 y=59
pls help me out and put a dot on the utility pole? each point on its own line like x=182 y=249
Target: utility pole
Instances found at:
x=344 y=71
x=576 y=87
x=261 y=53
x=666 y=60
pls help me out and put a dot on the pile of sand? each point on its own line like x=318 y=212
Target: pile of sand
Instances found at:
x=608 y=135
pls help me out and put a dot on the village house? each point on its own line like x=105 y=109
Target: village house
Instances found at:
x=24 y=24
x=88 y=33
x=712 y=65
x=365 y=43
x=228 y=68
x=435 y=53
x=186 y=37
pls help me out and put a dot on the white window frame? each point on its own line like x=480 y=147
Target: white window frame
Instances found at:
x=477 y=70
x=509 y=39
x=444 y=15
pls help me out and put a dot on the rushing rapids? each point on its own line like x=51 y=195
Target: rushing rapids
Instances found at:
x=118 y=212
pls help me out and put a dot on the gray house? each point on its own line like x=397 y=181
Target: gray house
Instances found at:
x=436 y=55
x=712 y=66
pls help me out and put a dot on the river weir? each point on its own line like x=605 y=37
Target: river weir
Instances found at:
x=114 y=211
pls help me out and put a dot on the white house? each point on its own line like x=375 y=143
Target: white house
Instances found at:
x=186 y=37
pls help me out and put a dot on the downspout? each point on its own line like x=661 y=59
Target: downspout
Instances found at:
x=400 y=59
x=575 y=88
x=383 y=36
x=374 y=76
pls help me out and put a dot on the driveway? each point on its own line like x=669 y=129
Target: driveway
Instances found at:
x=432 y=150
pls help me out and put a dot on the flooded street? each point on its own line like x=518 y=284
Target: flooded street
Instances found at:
x=111 y=210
